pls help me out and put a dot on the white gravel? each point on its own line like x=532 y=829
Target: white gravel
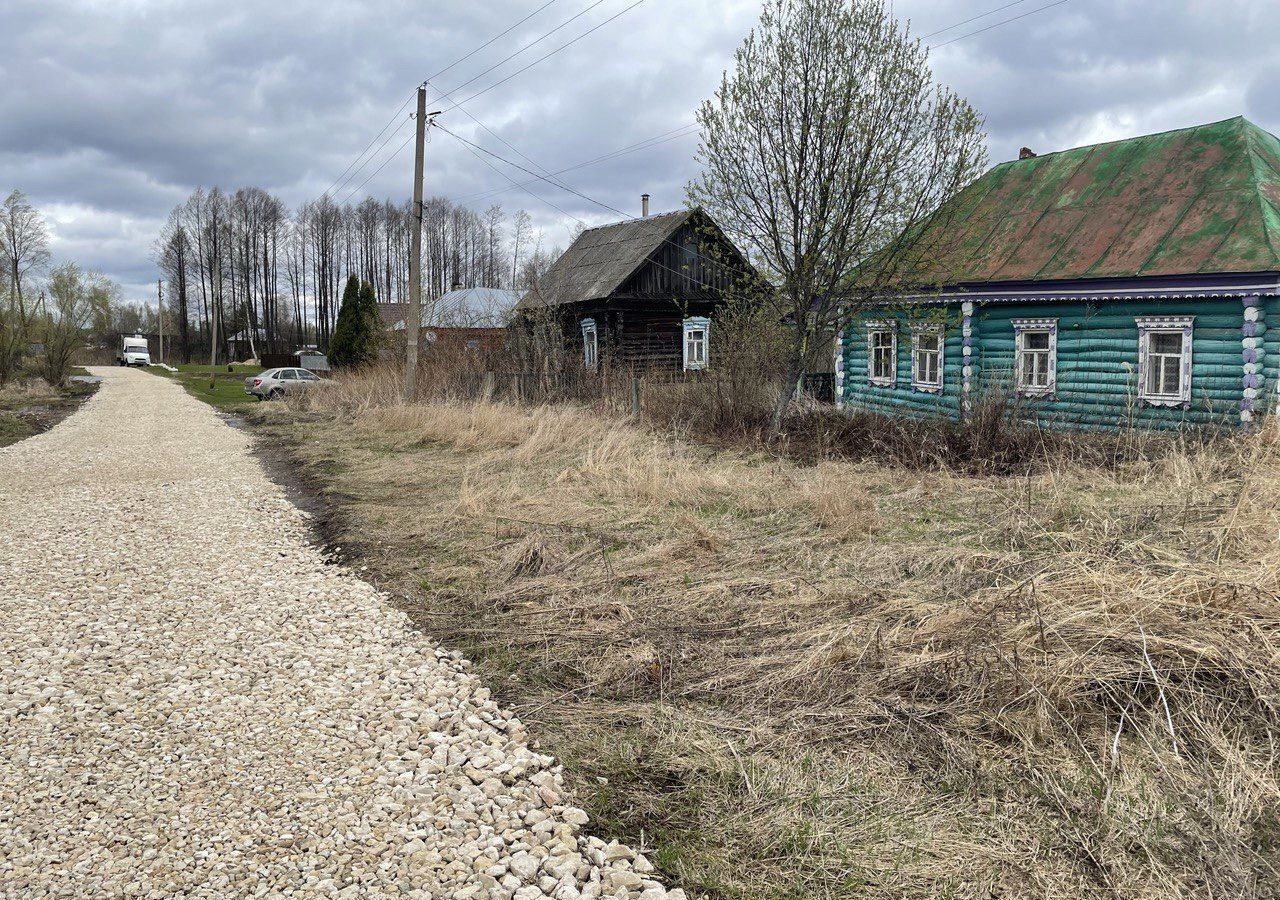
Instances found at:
x=194 y=703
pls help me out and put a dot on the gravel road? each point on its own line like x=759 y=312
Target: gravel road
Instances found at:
x=194 y=703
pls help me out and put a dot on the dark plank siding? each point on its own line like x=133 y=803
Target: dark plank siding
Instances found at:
x=649 y=340
x=688 y=266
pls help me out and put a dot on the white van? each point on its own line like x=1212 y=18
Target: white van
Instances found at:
x=134 y=351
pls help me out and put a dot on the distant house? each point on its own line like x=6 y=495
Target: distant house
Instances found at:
x=466 y=318
x=641 y=294
x=240 y=346
x=1126 y=283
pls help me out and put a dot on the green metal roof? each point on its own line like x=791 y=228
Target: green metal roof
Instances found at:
x=1196 y=200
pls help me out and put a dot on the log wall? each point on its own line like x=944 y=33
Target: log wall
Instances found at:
x=1097 y=362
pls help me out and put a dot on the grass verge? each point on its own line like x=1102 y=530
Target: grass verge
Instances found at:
x=30 y=406
x=227 y=391
x=846 y=679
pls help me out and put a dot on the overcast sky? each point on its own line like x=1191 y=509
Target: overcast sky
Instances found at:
x=112 y=111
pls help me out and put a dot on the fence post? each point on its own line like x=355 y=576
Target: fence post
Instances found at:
x=635 y=396
x=486 y=387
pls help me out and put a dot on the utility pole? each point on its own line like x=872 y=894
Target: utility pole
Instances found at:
x=215 y=299
x=414 y=318
x=160 y=315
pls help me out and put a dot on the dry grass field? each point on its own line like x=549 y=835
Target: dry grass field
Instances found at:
x=846 y=679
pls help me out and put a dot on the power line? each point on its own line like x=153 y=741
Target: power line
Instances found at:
x=997 y=24
x=563 y=187
x=549 y=176
x=472 y=150
x=343 y=177
x=369 y=177
x=549 y=55
x=575 y=193
x=491 y=40
x=528 y=46
x=687 y=130
x=446 y=96
x=973 y=19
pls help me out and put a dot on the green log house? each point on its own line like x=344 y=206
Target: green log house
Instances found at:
x=1127 y=283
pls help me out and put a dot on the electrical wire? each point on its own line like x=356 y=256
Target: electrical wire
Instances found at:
x=997 y=24
x=394 y=154
x=343 y=177
x=989 y=12
x=491 y=40
x=527 y=46
x=687 y=131
x=576 y=193
x=548 y=56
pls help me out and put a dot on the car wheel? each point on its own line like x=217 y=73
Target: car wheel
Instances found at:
x=275 y=394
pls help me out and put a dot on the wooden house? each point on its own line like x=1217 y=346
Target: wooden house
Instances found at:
x=640 y=294
x=471 y=319
x=1128 y=283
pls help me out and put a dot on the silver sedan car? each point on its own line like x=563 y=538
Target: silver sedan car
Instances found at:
x=275 y=383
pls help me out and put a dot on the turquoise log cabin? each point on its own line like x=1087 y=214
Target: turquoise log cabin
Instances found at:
x=1132 y=283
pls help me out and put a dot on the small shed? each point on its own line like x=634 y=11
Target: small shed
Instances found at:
x=1131 y=283
x=641 y=294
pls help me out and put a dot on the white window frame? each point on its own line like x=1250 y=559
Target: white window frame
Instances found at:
x=590 y=345
x=882 y=327
x=691 y=325
x=1153 y=325
x=917 y=331
x=1021 y=328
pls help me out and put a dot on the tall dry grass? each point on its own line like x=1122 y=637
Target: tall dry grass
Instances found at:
x=848 y=679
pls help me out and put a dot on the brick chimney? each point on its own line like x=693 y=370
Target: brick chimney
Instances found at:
x=1026 y=153
x=644 y=206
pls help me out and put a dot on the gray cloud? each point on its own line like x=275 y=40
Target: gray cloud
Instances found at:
x=113 y=112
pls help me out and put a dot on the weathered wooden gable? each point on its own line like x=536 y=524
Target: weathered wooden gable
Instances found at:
x=696 y=263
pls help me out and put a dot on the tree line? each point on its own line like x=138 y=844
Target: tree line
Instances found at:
x=273 y=275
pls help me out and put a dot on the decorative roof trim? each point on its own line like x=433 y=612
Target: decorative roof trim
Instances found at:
x=1269 y=288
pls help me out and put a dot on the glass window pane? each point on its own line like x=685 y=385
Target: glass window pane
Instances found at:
x=1036 y=340
x=1166 y=342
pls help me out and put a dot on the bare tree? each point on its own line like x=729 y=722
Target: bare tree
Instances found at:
x=520 y=228
x=24 y=252
x=24 y=243
x=826 y=148
x=175 y=258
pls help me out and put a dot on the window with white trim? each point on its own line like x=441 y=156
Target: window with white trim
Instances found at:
x=927 y=344
x=696 y=332
x=882 y=353
x=590 y=345
x=1035 y=363
x=1164 y=360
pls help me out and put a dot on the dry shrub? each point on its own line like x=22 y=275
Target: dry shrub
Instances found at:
x=854 y=679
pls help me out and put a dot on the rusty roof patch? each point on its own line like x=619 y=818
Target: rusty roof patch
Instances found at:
x=1196 y=200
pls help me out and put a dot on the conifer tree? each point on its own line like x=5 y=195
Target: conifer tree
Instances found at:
x=345 y=347
x=371 y=322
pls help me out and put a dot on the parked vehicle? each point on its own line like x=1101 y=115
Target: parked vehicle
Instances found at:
x=133 y=351
x=275 y=383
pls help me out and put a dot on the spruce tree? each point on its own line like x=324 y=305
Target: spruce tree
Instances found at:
x=345 y=345
x=371 y=322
